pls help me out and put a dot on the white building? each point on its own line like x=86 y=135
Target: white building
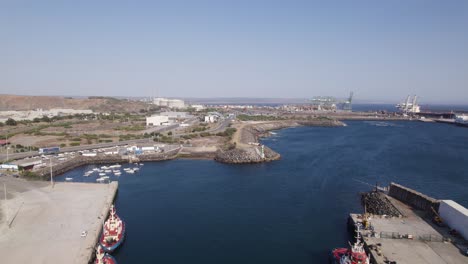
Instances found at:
x=156 y=120
x=176 y=115
x=171 y=103
x=455 y=216
x=198 y=107
x=211 y=118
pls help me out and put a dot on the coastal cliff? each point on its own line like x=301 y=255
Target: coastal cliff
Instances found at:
x=245 y=146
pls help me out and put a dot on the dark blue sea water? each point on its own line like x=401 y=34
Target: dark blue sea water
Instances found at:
x=288 y=211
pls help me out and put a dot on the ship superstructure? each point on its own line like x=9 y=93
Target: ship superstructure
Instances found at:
x=461 y=120
x=355 y=254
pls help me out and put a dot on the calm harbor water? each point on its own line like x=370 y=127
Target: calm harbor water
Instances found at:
x=289 y=211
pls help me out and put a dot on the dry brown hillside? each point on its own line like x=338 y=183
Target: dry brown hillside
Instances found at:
x=100 y=104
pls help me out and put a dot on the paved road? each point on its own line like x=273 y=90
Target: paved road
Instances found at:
x=221 y=127
x=78 y=148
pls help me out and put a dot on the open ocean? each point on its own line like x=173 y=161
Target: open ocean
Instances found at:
x=289 y=211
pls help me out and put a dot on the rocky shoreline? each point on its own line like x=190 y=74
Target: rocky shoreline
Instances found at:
x=249 y=150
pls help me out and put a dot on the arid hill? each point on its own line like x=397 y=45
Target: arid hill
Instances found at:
x=98 y=104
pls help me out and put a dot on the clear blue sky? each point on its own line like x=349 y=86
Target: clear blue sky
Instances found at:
x=382 y=50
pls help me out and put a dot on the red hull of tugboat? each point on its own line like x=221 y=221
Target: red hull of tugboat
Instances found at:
x=110 y=247
x=103 y=257
x=107 y=259
x=113 y=232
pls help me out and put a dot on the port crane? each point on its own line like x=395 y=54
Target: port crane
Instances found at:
x=331 y=103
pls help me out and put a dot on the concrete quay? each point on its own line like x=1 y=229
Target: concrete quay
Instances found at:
x=43 y=223
x=409 y=238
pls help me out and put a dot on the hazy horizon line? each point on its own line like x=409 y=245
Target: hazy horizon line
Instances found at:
x=252 y=99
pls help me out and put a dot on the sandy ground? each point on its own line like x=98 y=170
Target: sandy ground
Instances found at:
x=48 y=221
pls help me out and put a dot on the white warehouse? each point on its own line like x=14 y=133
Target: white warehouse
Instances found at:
x=455 y=216
x=171 y=103
x=156 y=120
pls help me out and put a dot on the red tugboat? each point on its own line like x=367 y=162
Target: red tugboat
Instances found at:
x=113 y=232
x=355 y=254
x=103 y=257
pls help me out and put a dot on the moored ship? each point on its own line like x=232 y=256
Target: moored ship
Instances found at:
x=410 y=106
x=461 y=120
x=103 y=257
x=113 y=232
x=355 y=254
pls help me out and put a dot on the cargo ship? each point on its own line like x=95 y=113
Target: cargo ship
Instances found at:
x=103 y=257
x=461 y=120
x=113 y=232
x=410 y=106
x=355 y=254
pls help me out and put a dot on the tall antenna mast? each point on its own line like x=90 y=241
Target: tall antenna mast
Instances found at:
x=51 y=178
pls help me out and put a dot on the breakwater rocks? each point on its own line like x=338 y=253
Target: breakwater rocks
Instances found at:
x=247 y=155
x=376 y=203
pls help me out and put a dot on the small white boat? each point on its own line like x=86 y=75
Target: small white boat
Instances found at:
x=130 y=171
x=141 y=164
x=68 y=179
x=105 y=177
x=126 y=169
x=115 y=166
x=104 y=168
x=100 y=180
x=96 y=169
x=117 y=173
x=136 y=169
x=102 y=174
x=108 y=171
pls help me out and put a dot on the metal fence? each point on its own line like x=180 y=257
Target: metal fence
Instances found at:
x=424 y=237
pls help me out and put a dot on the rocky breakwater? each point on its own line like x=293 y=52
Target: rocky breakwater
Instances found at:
x=245 y=146
x=247 y=155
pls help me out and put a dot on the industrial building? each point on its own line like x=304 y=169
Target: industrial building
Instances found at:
x=455 y=216
x=211 y=118
x=171 y=103
x=197 y=107
x=156 y=120
x=175 y=115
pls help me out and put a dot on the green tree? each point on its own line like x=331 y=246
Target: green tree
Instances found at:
x=11 y=122
x=46 y=119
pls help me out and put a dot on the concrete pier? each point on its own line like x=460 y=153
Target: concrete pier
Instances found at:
x=411 y=197
x=48 y=221
x=407 y=239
